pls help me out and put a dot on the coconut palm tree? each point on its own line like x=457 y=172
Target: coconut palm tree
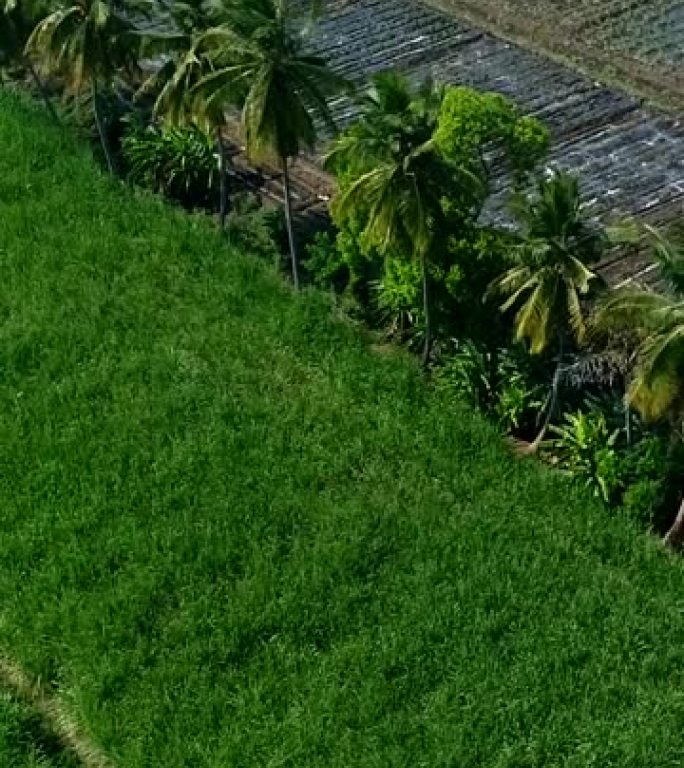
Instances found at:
x=656 y=389
x=550 y=274
x=173 y=83
x=16 y=22
x=260 y=63
x=391 y=170
x=88 y=43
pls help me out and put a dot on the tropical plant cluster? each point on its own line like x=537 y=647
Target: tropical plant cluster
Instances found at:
x=507 y=311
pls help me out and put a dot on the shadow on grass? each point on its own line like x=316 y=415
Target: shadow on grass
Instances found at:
x=26 y=742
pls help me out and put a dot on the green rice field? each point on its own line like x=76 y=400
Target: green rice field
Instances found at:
x=234 y=535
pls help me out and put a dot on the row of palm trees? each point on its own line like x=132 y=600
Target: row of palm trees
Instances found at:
x=253 y=56
x=209 y=60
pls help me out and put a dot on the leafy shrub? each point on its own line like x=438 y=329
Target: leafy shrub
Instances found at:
x=517 y=403
x=256 y=229
x=642 y=500
x=647 y=459
x=468 y=373
x=501 y=382
x=648 y=467
x=586 y=447
x=179 y=163
x=325 y=263
x=398 y=297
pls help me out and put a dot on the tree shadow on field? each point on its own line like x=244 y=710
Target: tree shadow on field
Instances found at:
x=27 y=742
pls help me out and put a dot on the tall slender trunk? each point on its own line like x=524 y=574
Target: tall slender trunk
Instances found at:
x=40 y=85
x=628 y=423
x=427 y=343
x=223 y=178
x=100 y=127
x=288 y=222
x=553 y=403
x=675 y=536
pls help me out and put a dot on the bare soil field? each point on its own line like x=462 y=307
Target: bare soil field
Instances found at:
x=630 y=159
x=639 y=43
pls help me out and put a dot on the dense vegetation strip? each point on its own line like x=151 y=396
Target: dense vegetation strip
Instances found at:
x=234 y=536
x=420 y=246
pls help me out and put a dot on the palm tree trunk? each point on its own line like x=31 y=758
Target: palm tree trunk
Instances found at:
x=41 y=89
x=553 y=404
x=288 y=222
x=427 y=344
x=100 y=128
x=674 y=538
x=223 y=178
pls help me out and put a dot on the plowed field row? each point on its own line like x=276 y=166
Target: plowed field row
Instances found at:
x=631 y=159
x=640 y=42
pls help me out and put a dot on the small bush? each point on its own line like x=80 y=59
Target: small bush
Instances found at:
x=468 y=374
x=586 y=447
x=255 y=228
x=642 y=500
x=398 y=299
x=325 y=263
x=501 y=382
x=179 y=163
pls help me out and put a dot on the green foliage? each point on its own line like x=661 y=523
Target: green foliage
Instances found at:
x=500 y=382
x=255 y=229
x=469 y=374
x=259 y=61
x=179 y=163
x=518 y=398
x=403 y=194
x=472 y=258
x=475 y=128
x=325 y=262
x=587 y=449
x=669 y=255
x=657 y=381
x=91 y=41
x=396 y=118
x=344 y=262
x=550 y=274
x=641 y=476
x=398 y=296
x=642 y=499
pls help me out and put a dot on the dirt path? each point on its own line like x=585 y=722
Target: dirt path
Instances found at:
x=54 y=715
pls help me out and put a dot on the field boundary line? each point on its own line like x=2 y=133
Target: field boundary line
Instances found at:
x=53 y=713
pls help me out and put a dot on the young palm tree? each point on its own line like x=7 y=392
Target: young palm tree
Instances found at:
x=260 y=63
x=550 y=274
x=398 y=177
x=88 y=43
x=657 y=383
x=16 y=21
x=177 y=101
x=179 y=104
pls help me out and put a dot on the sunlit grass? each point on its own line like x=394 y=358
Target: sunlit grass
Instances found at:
x=232 y=536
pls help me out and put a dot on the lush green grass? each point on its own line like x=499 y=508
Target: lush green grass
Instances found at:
x=232 y=536
x=24 y=742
